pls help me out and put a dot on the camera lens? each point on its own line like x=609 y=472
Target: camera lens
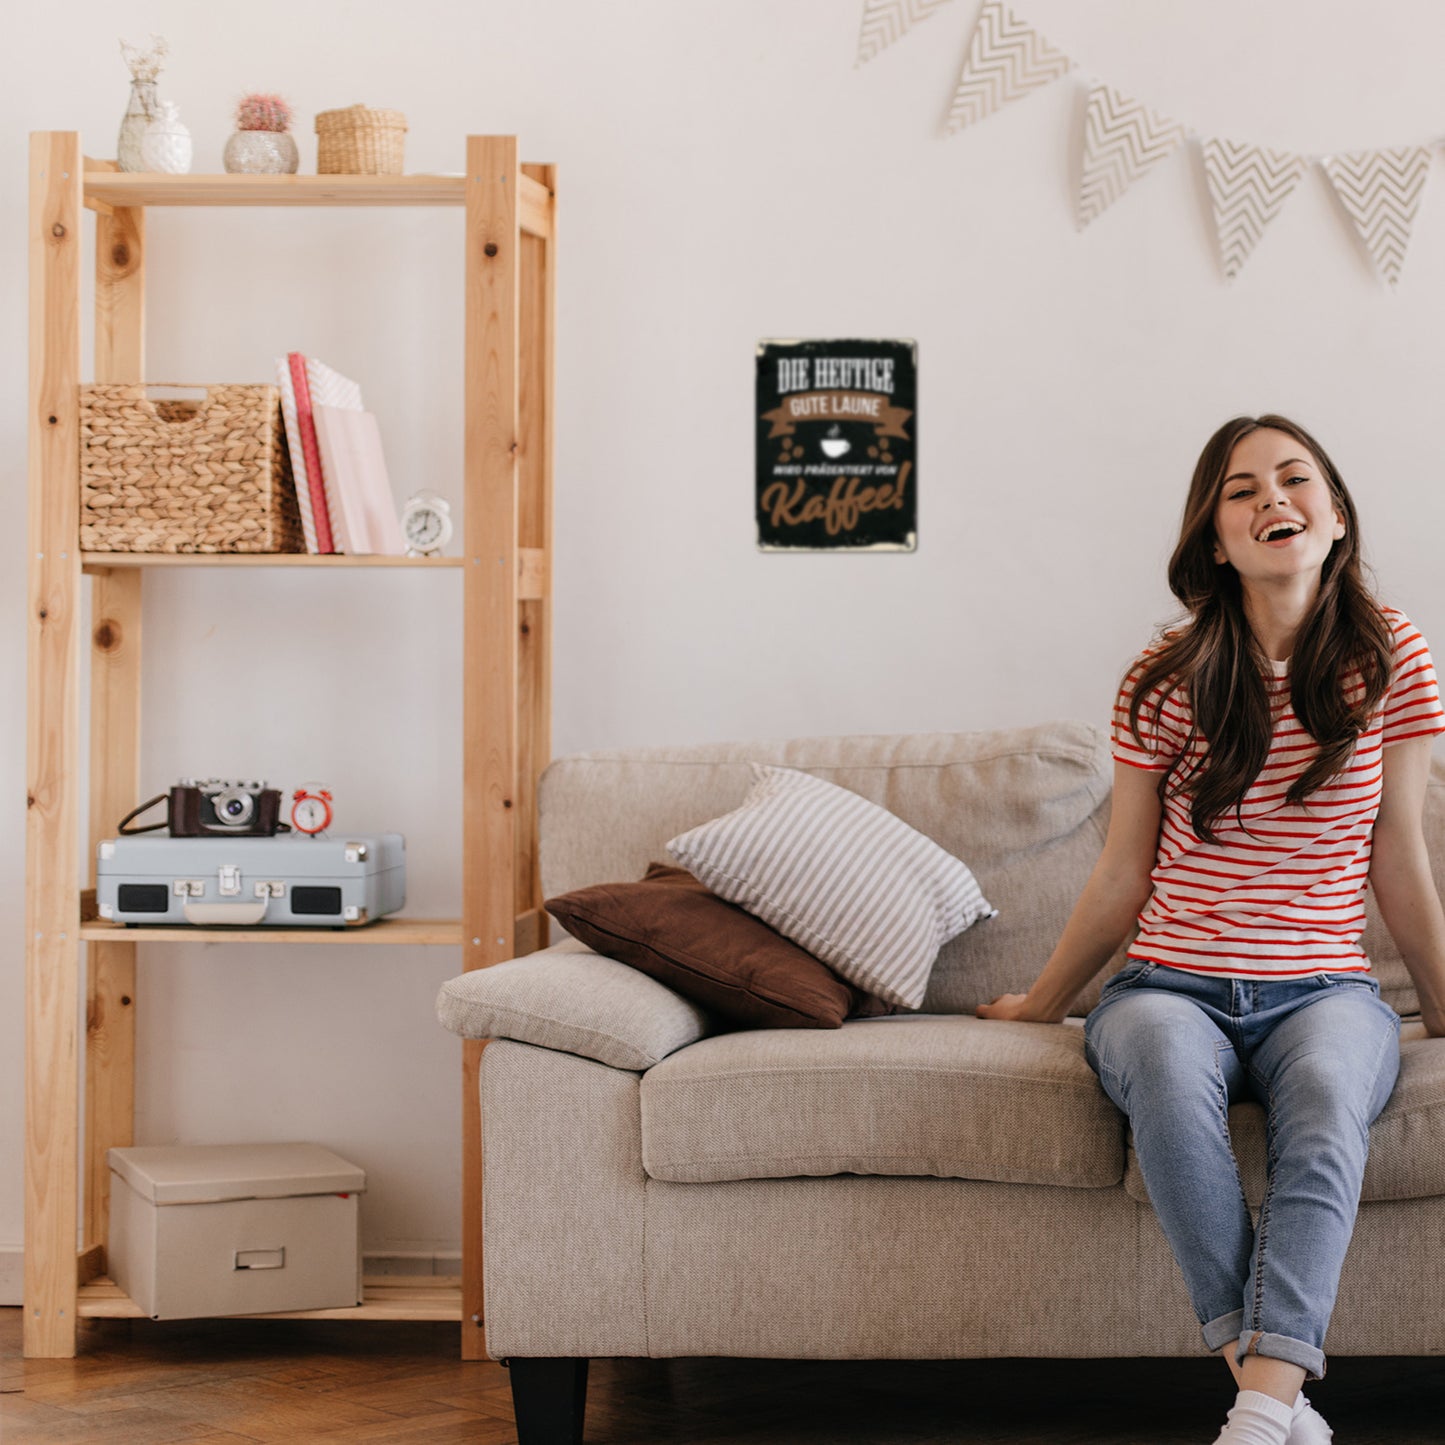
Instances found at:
x=234 y=807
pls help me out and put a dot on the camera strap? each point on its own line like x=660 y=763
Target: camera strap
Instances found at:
x=145 y=807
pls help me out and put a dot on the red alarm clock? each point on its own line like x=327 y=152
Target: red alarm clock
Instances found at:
x=311 y=809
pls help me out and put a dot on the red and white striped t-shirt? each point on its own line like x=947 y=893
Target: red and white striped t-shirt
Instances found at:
x=1285 y=899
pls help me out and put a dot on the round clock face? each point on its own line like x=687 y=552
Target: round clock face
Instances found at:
x=310 y=815
x=424 y=528
x=426 y=523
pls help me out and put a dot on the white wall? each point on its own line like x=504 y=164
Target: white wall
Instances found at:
x=727 y=175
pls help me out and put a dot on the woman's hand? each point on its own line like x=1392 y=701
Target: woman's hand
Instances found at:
x=1402 y=882
x=1011 y=1006
x=1117 y=889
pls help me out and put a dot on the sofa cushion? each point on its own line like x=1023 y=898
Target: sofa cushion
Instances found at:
x=1407 y=1141
x=951 y=1097
x=674 y=929
x=842 y=877
x=575 y=1001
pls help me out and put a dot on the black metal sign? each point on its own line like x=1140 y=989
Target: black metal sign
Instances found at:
x=837 y=430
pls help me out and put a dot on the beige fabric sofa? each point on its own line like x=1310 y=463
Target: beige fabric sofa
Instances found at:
x=916 y=1186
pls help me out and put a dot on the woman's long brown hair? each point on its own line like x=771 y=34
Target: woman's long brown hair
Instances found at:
x=1217 y=661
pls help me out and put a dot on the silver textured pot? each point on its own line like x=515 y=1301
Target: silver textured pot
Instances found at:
x=261 y=153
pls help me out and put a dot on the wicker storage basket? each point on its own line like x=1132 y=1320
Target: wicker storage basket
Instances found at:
x=186 y=476
x=359 y=142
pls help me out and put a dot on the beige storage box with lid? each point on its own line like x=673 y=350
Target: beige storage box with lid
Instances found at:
x=235 y=1229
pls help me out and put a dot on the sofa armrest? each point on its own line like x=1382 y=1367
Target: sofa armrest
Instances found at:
x=575 y=1001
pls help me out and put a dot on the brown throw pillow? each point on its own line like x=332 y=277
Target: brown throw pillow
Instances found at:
x=670 y=927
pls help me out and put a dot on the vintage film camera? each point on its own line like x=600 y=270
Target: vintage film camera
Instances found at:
x=214 y=806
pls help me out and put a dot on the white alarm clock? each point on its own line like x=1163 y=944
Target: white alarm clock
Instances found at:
x=311 y=809
x=426 y=524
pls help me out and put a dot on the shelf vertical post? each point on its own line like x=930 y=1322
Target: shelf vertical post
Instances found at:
x=115 y=640
x=489 y=705
x=52 y=891
x=537 y=309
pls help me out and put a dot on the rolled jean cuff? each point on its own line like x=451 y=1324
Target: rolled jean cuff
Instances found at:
x=1223 y=1331
x=1281 y=1347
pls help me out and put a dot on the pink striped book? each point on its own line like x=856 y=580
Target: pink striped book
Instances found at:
x=296 y=452
x=306 y=426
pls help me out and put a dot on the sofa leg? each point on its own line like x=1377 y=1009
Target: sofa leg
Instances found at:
x=549 y=1397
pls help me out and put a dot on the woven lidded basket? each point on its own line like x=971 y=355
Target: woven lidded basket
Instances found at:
x=186 y=476
x=359 y=142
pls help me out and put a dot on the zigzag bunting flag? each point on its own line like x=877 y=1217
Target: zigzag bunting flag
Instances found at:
x=885 y=21
x=1122 y=140
x=1248 y=186
x=1381 y=190
x=1007 y=58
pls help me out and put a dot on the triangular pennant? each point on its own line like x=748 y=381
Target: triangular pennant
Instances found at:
x=1248 y=186
x=1007 y=58
x=1122 y=140
x=1381 y=190
x=885 y=21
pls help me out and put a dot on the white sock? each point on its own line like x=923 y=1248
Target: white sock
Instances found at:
x=1257 y=1419
x=1307 y=1425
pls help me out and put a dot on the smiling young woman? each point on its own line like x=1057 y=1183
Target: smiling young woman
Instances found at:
x=1303 y=601
x=1271 y=757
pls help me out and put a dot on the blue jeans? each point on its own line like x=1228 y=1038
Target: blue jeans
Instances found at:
x=1173 y=1050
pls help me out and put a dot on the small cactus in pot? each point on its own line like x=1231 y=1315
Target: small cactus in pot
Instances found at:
x=260 y=111
x=262 y=143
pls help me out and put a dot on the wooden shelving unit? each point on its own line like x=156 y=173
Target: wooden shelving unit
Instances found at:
x=508 y=269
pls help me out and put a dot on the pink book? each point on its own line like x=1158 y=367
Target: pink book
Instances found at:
x=363 y=510
x=306 y=425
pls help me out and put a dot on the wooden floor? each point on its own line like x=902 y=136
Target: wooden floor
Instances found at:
x=136 y=1383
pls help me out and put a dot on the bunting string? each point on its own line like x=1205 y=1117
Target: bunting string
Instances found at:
x=1124 y=139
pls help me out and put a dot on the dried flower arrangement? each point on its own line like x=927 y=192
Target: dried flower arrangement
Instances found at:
x=261 y=111
x=143 y=107
x=144 y=64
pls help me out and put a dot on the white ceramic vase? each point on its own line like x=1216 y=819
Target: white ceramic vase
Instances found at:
x=262 y=153
x=166 y=146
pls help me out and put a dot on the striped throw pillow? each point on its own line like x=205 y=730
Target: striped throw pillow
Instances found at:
x=843 y=878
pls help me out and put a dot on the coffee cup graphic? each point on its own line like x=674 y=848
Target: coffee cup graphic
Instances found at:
x=834 y=444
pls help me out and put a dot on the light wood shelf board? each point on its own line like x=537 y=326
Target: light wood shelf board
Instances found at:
x=386 y=1297
x=394 y=931
x=143 y=188
x=532 y=569
x=102 y=561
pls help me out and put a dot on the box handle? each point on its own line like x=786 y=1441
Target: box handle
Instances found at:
x=151 y=404
x=238 y=913
x=260 y=1259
